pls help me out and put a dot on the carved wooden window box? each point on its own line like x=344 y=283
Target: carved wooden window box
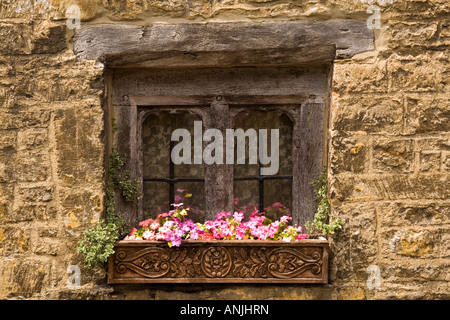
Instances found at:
x=223 y=261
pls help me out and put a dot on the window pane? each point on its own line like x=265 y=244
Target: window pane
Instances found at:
x=191 y=194
x=273 y=191
x=246 y=196
x=277 y=193
x=157 y=130
x=156 y=198
x=256 y=119
x=156 y=136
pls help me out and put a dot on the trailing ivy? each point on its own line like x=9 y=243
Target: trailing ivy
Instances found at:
x=98 y=242
x=324 y=222
x=121 y=178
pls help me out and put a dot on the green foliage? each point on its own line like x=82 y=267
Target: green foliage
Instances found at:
x=324 y=222
x=130 y=188
x=114 y=125
x=122 y=178
x=112 y=216
x=98 y=244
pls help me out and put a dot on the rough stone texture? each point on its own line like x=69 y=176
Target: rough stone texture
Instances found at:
x=389 y=148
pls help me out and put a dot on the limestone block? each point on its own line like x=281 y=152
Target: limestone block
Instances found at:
x=431 y=153
x=25 y=118
x=393 y=155
x=364 y=77
x=32 y=37
x=16 y=38
x=369 y=113
x=445 y=247
x=446 y=162
x=412 y=33
x=418 y=9
x=350 y=153
x=429 y=161
x=340 y=263
x=32 y=138
x=389 y=187
x=351 y=293
x=176 y=8
x=422 y=73
x=32 y=166
x=8 y=142
x=427 y=114
x=49 y=37
x=46 y=247
x=411 y=243
x=89 y=9
x=6 y=199
x=13 y=240
x=363 y=238
x=80 y=157
x=200 y=9
x=7 y=174
x=412 y=213
x=408 y=290
x=47 y=9
x=406 y=271
x=21 y=278
x=31 y=212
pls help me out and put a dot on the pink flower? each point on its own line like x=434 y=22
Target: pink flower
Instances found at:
x=160 y=236
x=302 y=236
x=145 y=223
x=222 y=214
x=277 y=204
x=285 y=219
x=149 y=235
x=238 y=216
x=162 y=215
x=154 y=225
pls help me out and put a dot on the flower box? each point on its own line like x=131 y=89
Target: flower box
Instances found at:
x=219 y=261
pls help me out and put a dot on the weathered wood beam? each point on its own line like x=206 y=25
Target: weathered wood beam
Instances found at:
x=224 y=44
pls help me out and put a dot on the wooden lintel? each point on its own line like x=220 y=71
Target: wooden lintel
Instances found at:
x=224 y=44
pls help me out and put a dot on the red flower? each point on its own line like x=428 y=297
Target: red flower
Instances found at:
x=205 y=236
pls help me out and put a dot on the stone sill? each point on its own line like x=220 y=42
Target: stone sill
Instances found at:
x=220 y=261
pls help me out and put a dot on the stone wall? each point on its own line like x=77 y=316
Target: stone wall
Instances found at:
x=389 y=148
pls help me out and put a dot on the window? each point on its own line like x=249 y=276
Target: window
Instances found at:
x=251 y=188
x=150 y=104
x=161 y=176
x=164 y=181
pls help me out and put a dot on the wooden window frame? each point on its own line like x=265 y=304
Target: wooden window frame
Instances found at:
x=261 y=103
x=286 y=44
